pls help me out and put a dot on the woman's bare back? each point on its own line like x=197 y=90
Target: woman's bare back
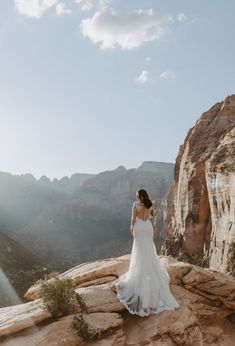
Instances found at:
x=142 y=212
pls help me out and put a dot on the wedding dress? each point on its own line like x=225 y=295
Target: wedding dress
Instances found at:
x=144 y=288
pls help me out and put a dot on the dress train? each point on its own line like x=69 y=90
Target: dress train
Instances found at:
x=144 y=288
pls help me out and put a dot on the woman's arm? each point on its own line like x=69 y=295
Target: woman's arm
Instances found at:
x=133 y=216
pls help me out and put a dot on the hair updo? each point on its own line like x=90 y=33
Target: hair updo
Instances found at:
x=145 y=198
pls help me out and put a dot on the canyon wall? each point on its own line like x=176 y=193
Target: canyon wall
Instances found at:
x=199 y=225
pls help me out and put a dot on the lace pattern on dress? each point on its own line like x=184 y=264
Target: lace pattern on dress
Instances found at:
x=134 y=302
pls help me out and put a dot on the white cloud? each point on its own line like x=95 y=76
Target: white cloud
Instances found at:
x=86 y=5
x=61 y=9
x=181 y=17
x=104 y=4
x=148 y=58
x=131 y=30
x=168 y=74
x=143 y=77
x=33 y=8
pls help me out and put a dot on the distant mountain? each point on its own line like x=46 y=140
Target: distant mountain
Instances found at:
x=23 y=197
x=161 y=168
x=19 y=269
x=66 y=184
x=93 y=221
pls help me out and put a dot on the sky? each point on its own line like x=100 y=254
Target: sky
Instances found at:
x=88 y=85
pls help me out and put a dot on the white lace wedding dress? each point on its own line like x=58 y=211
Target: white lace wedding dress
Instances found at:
x=144 y=288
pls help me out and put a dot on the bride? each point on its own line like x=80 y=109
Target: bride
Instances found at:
x=144 y=288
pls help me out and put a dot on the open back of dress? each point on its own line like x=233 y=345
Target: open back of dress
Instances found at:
x=142 y=212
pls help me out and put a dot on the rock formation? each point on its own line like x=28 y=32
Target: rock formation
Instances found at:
x=205 y=316
x=199 y=225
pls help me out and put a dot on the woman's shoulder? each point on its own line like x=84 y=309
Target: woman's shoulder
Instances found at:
x=137 y=204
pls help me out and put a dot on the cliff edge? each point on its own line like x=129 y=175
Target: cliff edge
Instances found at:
x=206 y=315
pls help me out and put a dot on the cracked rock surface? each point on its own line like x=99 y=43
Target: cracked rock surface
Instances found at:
x=206 y=315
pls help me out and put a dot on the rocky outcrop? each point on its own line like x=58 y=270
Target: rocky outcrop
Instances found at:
x=18 y=317
x=205 y=316
x=200 y=224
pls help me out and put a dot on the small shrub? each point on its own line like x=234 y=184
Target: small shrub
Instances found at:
x=81 y=302
x=57 y=294
x=82 y=329
x=49 y=276
x=58 y=297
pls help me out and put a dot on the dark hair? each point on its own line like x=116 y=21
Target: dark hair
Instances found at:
x=145 y=198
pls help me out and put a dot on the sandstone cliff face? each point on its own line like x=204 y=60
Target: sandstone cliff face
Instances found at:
x=206 y=315
x=162 y=219
x=200 y=226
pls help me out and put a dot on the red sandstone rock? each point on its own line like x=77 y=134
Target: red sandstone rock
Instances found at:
x=200 y=223
x=205 y=315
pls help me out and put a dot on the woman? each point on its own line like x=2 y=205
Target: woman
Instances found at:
x=144 y=288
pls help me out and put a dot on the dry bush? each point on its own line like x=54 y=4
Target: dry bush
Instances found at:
x=57 y=294
x=82 y=329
